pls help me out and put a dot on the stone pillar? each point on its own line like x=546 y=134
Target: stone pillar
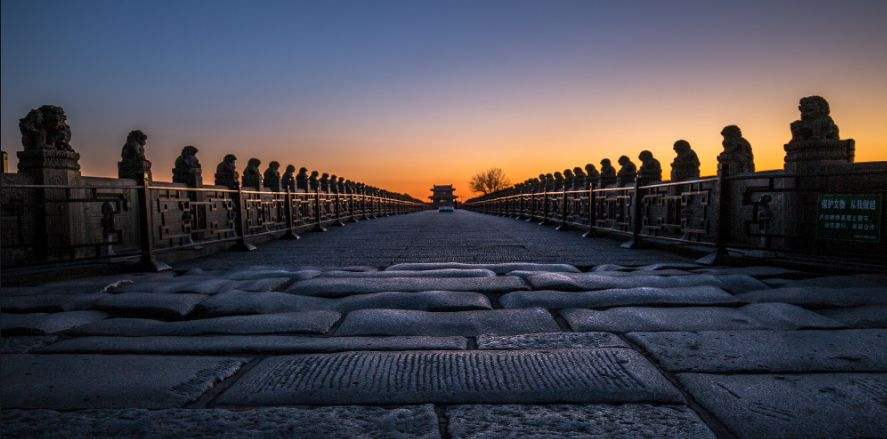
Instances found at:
x=816 y=143
x=133 y=163
x=49 y=159
x=4 y=162
x=187 y=169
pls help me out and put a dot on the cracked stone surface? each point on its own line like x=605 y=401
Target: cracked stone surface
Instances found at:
x=575 y=421
x=410 y=322
x=806 y=405
x=340 y=421
x=307 y=322
x=43 y=323
x=767 y=351
x=103 y=381
x=551 y=340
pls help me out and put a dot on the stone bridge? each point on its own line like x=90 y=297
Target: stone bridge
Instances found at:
x=416 y=323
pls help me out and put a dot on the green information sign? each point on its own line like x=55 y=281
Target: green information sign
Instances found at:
x=849 y=217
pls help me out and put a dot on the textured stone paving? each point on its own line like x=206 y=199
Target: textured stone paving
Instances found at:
x=429 y=236
x=650 y=349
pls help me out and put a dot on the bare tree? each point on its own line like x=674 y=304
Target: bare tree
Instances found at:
x=488 y=181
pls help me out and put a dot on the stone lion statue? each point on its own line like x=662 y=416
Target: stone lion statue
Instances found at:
x=134 y=148
x=737 y=156
x=627 y=172
x=686 y=163
x=252 y=176
x=226 y=172
x=272 y=176
x=46 y=128
x=607 y=176
x=288 y=181
x=815 y=123
x=651 y=170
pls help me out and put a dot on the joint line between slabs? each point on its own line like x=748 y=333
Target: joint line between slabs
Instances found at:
x=208 y=399
x=714 y=424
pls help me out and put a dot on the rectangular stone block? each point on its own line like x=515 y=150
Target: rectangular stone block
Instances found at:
x=340 y=287
x=859 y=317
x=575 y=421
x=49 y=302
x=42 y=323
x=768 y=351
x=819 y=297
x=807 y=405
x=464 y=323
x=552 y=340
x=108 y=381
x=595 y=281
x=161 y=305
x=605 y=375
x=443 y=272
x=252 y=344
x=501 y=268
x=407 y=422
x=308 y=322
x=704 y=295
x=240 y=303
x=640 y=319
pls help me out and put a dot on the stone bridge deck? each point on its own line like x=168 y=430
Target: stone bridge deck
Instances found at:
x=429 y=350
x=430 y=236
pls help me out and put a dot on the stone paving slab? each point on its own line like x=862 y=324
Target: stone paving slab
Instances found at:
x=760 y=272
x=258 y=274
x=252 y=344
x=815 y=297
x=874 y=280
x=837 y=405
x=859 y=317
x=335 y=287
x=317 y=422
x=49 y=302
x=23 y=344
x=237 y=302
x=580 y=375
x=671 y=266
x=465 y=323
x=501 y=268
x=703 y=295
x=108 y=381
x=552 y=340
x=161 y=305
x=639 y=319
x=767 y=351
x=575 y=421
x=42 y=323
x=187 y=284
x=445 y=272
x=307 y=322
x=596 y=281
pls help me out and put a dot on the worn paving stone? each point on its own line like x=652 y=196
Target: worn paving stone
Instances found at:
x=307 y=322
x=22 y=344
x=859 y=317
x=575 y=421
x=466 y=323
x=49 y=302
x=815 y=297
x=501 y=268
x=260 y=274
x=767 y=351
x=703 y=295
x=187 y=284
x=596 y=281
x=636 y=319
x=875 y=280
x=611 y=267
x=252 y=344
x=671 y=265
x=811 y=405
x=42 y=323
x=240 y=303
x=446 y=272
x=340 y=287
x=162 y=305
x=552 y=340
x=760 y=272
x=312 y=422
x=108 y=381
x=559 y=375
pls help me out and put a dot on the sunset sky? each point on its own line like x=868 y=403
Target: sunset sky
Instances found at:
x=407 y=94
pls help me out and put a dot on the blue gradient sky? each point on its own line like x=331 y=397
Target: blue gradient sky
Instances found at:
x=405 y=94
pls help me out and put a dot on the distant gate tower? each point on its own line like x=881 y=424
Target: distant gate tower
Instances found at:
x=442 y=195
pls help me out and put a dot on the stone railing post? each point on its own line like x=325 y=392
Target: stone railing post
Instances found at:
x=720 y=255
x=290 y=216
x=338 y=210
x=591 y=211
x=563 y=220
x=318 y=213
x=240 y=222
x=147 y=261
x=544 y=219
x=636 y=220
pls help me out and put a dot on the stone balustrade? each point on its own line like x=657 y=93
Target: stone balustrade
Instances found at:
x=822 y=205
x=53 y=214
